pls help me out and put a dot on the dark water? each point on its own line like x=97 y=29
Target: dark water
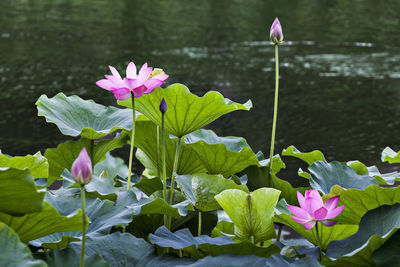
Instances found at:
x=340 y=65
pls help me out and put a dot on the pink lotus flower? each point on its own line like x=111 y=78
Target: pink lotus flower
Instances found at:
x=139 y=84
x=313 y=209
x=275 y=33
x=81 y=169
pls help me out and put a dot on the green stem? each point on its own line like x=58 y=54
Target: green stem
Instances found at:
x=271 y=154
x=84 y=226
x=252 y=239
x=279 y=232
x=158 y=152
x=164 y=173
x=199 y=229
x=91 y=153
x=171 y=195
x=318 y=241
x=132 y=142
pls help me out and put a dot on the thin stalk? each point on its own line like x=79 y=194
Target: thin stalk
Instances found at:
x=132 y=142
x=158 y=152
x=279 y=232
x=164 y=173
x=252 y=239
x=92 y=153
x=83 y=203
x=271 y=154
x=199 y=228
x=319 y=241
x=171 y=196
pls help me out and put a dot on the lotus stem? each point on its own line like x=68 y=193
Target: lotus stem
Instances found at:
x=92 y=153
x=176 y=159
x=199 y=231
x=164 y=173
x=279 y=231
x=132 y=142
x=252 y=239
x=319 y=241
x=271 y=154
x=83 y=203
x=158 y=152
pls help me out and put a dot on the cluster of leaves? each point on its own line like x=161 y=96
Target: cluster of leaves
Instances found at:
x=220 y=180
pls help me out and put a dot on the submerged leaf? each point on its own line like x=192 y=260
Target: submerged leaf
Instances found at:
x=186 y=112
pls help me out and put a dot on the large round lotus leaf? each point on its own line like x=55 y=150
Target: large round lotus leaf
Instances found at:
x=37 y=164
x=221 y=155
x=13 y=251
x=18 y=193
x=75 y=116
x=186 y=112
x=251 y=213
x=390 y=155
x=308 y=157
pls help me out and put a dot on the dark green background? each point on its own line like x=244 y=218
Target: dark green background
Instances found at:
x=340 y=65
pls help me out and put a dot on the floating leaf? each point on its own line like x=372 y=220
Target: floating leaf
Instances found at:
x=201 y=246
x=18 y=192
x=375 y=228
x=75 y=116
x=37 y=164
x=308 y=157
x=146 y=141
x=251 y=213
x=64 y=155
x=14 y=252
x=221 y=155
x=204 y=187
x=45 y=222
x=325 y=175
x=390 y=155
x=186 y=112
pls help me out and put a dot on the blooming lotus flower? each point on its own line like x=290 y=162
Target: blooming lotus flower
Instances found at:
x=81 y=169
x=313 y=209
x=140 y=83
x=275 y=33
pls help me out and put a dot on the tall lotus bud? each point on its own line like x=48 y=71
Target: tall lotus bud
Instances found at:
x=163 y=106
x=276 y=34
x=82 y=168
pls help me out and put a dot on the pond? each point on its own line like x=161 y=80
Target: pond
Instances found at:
x=340 y=66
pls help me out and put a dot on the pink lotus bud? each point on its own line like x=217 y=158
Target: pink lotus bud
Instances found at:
x=276 y=34
x=82 y=168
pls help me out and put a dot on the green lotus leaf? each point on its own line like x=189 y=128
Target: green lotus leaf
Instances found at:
x=18 y=192
x=308 y=157
x=113 y=166
x=70 y=257
x=14 y=252
x=259 y=177
x=388 y=253
x=102 y=214
x=221 y=155
x=376 y=227
x=186 y=112
x=327 y=234
x=204 y=187
x=118 y=249
x=358 y=202
x=390 y=155
x=251 y=213
x=146 y=141
x=382 y=178
x=155 y=204
x=325 y=175
x=35 y=225
x=37 y=164
x=75 y=116
x=201 y=246
x=64 y=155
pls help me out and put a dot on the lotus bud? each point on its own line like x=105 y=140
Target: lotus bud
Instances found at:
x=163 y=106
x=276 y=34
x=82 y=168
x=156 y=71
